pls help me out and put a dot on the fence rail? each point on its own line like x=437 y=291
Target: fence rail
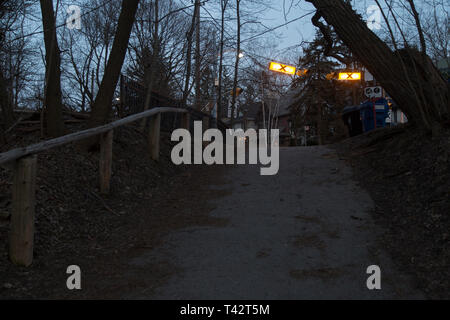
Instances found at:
x=23 y=161
x=53 y=143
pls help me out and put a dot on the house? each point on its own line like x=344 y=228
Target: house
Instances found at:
x=283 y=119
x=248 y=117
x=276 y=114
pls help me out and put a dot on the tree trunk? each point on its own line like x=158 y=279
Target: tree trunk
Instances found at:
x=189 y=53
x=236 y=64
x=5 y=103
x=153 y=65
x=102 y=106
x=198 y=60
x=223 y=5
x=407 y=75
x=423 y=46
x=53 y=96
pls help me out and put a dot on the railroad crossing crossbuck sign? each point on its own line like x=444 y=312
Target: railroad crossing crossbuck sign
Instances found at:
x=278 y=67
x=373 y=92
x=351 y=76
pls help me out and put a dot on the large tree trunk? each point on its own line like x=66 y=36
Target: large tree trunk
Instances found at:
x=6 y=106
x=407 y=75
x=103 y=102
x=53 y=97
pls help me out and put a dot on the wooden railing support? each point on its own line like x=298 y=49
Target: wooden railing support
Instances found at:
x=154 y=136
x=21 y=239
x=106 y=146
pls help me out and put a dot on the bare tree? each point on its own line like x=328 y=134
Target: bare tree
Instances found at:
x=436 y=29
x=198 y=61
x=409 y=76
x=103 y=101
x=168 y=64
x=5 y=103
x=53 y=96
x=86 y=53
x=189 y=36
x=236 y=63
x=6 y=9
x=151 y=65
x=223 y=8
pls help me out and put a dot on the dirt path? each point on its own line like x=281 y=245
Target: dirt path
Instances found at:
x=305 y=233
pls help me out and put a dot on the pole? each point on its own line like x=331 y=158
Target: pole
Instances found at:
x=23 y=209
x=215 y=118
x=262 y=99
x=374 y=115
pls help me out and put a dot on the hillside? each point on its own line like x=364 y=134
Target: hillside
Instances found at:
x=408 y=176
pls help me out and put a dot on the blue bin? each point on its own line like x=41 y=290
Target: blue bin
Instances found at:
x=360 y=118
x=377 y=108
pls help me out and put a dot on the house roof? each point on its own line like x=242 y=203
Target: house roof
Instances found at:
x=254 y=110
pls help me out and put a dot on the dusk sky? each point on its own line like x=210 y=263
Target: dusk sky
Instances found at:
x=302 y=29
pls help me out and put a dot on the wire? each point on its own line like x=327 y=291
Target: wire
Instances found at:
x=219 y=26
x=182 y=9
x=215 y=21
x=275 y=28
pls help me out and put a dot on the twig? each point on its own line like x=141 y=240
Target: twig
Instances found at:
x=397 y=174
x=14 y=125
x=104 y=203
x=363 y=152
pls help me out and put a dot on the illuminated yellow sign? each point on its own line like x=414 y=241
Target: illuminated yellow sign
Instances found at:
x=238 y=91
x=278 y=67
x=331 y=76
x=302 y=72
x=350 y=76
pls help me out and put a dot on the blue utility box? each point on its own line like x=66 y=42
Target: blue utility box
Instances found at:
x=377 y=108
x=367 y=116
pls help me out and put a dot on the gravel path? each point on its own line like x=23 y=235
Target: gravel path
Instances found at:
x=305 y=233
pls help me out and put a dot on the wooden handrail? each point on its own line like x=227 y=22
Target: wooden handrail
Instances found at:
x=24 y=165
x=15 y=154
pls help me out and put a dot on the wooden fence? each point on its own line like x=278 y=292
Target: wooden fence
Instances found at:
x=23 y=161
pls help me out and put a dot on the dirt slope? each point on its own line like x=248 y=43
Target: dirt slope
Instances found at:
x=408 y=176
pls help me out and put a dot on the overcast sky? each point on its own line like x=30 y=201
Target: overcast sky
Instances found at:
x=301 y=30
x=295 y=32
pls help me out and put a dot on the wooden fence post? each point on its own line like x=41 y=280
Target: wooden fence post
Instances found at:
x=154 y=136
x=23 y=205
x=186 y=121
x=106 y=145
